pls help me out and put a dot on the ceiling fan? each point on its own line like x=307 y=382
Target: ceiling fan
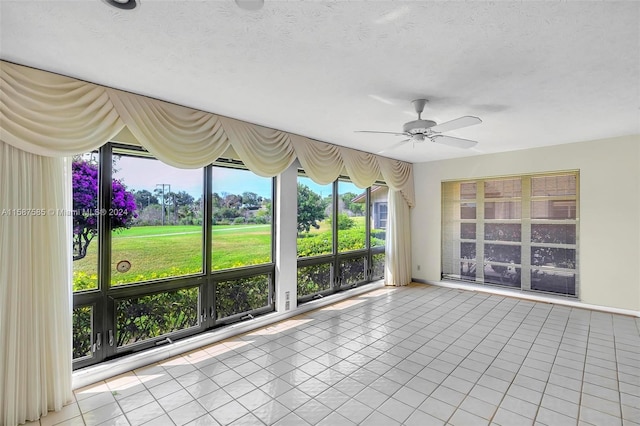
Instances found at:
x=419 y=130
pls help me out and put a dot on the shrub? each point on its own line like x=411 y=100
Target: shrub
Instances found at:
x=84 y=281
x=314 y=244
x=314 y=279
x=81 y=331
x=144 y=317
x=241 y=295
x=379 y=233
x=344 y=222
x=351 y=239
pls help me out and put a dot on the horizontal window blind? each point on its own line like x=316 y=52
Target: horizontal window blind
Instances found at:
x=517 y=231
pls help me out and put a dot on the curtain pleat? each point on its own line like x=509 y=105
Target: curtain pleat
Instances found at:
x=48 y=114
x=35 y=283
x=176 y=135
x=266 y=152
x=322 y=162
x=398 y=175
x=397 y=270
x=362 y=167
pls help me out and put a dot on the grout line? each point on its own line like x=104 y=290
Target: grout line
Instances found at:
x=451 y=318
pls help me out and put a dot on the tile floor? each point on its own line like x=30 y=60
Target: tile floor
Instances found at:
x=419 y=355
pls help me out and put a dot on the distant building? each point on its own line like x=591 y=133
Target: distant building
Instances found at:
x=378 y=205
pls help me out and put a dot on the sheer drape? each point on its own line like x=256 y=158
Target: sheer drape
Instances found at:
x=44 y=114
x=35 y=283
x=397 y=269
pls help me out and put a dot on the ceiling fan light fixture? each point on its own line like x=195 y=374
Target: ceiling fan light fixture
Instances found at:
x=419 y=130
x=250 y=4
x=418 y=126
x=122 y=4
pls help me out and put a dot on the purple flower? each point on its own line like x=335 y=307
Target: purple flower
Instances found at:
x=85 y=206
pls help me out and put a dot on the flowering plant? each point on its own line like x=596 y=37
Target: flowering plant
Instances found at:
x=85 y=206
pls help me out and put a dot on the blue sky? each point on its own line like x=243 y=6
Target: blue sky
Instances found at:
x=143 y=173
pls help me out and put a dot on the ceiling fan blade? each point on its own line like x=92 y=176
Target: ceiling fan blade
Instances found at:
x=388 y=133
x=458 y=123
x=457 y=142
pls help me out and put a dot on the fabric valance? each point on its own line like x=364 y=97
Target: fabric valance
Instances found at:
x=53 y=115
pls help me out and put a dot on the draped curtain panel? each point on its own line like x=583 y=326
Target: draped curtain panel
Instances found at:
x=53 y=115
x=35 y=297
x=48 y=115
x=397 y=271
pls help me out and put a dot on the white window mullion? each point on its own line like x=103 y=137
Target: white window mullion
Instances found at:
x=480 y=221
x=525 y=259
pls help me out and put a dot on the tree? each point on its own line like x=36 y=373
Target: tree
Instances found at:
x=144 y=198
x=85 y=206
x=183 y=198
x=216 y=200
x=344 y=222
x=178 y=200
x=310 y=209
x=251 y=200
x=232 y=201
x=263 y=215
x=355 y=208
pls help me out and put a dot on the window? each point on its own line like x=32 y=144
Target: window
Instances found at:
x=380 y=218
x=162 y=253
x=85 y=185
x=315 y=215
x=241 y=232
x=516 y=232
x=336 y=245
x=351 y=221
x=378 y=234
x=163 y=237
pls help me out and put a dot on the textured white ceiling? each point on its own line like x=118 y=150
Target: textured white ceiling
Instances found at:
x=537 y=73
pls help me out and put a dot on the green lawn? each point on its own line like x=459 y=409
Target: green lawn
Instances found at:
x=167 y=251
x=163 y=251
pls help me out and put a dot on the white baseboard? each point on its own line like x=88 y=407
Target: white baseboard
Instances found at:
x=558 y=300
x=89 y=375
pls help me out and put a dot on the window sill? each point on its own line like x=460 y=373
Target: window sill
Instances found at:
x=569 y=301
x=114 y=367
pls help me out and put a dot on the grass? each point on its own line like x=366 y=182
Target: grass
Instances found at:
x=325 y=225
x=163 y=251
x=168 y=251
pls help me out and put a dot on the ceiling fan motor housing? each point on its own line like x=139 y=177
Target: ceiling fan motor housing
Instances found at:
x=418 y=126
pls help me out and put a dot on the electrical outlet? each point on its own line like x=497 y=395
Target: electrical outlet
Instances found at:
x=287 y=305
x=418 y=267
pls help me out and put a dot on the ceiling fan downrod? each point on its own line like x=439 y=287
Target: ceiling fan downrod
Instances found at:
x=419 y=104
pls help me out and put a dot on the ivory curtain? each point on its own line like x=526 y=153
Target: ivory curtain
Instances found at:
x=53 y=115
x=35 y=297
x=45 y=117
x=397 y=270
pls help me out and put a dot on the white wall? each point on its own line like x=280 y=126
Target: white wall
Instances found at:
x=609 y=227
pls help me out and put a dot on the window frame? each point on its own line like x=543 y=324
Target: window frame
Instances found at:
x=103 y=299
x=451 y=238
x=336 y=258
